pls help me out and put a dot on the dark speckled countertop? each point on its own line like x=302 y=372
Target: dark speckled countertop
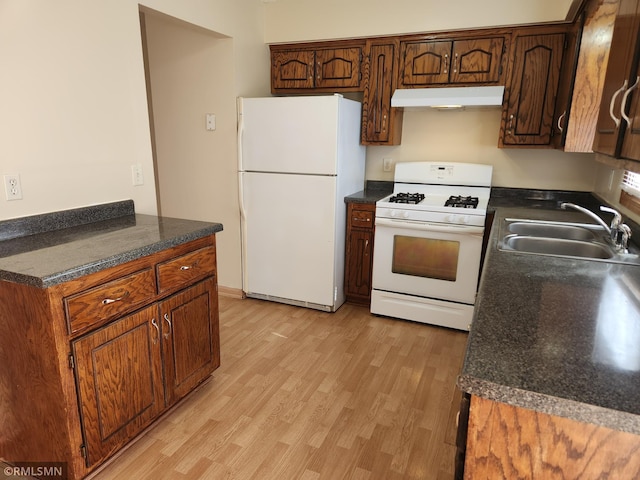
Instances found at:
x=556 y=335
x=45 y=250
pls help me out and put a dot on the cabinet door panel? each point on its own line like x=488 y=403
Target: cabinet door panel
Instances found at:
x=360 y=262
x=292 y=69
x=119 y=375
x=338 y=67
x=534 y=84
x=425 y=63
x=477 y=61
x=381 y=125
x=191 y=341
x=625 y=36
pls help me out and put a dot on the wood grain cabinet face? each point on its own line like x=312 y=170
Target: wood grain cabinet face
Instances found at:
x=191 y=341
x=120 y=385
x=381 y=124
x=325 y=69
x=95 y=306
x=153 y=342
x=614 y=135
x=359 y=253
x=529 y=116
x=292 y=69
x=467 y=61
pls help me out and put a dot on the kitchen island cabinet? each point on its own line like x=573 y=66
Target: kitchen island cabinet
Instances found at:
x=113 y=321
x=552 y=366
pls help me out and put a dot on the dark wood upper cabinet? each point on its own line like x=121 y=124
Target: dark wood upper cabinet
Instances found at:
x=381 y=124
x=615 y=135
x=528 y=119
x=315 y=67
x=437 y=62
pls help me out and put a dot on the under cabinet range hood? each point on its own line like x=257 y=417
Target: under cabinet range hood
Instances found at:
x=448 y=97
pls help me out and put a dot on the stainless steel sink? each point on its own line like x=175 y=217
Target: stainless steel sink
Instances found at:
x=558 y=246
x=551 y=230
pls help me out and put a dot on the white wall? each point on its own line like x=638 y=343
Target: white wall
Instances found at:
x=472 y=136
x=191 y=74
x=299 y=20
x=73 y=116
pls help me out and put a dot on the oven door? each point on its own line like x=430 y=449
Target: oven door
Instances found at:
x=431 y=260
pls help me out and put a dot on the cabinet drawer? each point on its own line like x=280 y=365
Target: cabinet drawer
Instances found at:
x=94 y=306
x=187 y=268
x=361 y=218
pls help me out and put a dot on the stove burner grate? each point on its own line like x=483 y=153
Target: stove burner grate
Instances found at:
x=413 y=198
x=460 y=201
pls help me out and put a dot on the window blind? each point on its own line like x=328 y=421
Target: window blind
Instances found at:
x=631 y=183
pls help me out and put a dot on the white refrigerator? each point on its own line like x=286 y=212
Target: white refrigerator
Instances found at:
x=298 y=158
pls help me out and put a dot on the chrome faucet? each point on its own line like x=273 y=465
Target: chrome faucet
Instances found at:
x=618 y=231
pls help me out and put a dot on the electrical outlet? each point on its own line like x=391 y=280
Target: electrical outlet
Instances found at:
x=387 y=164
x=210 y=122
x=137 y=176
x=12 y=187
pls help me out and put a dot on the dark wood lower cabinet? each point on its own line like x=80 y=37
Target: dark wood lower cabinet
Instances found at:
x=191 y=345
x=120 y=387
x=90 y=363
x=359 y=252
x=505 y=442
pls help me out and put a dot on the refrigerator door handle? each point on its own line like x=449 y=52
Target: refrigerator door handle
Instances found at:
x=243 y=213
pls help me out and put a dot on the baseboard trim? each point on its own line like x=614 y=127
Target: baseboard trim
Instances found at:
x=231 y=292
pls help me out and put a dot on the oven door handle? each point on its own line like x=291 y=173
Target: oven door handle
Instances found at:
x=431 y=227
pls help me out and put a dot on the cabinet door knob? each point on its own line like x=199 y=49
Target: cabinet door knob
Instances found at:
x=615 y=119
x=625 y=99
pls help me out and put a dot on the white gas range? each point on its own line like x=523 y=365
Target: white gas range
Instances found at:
x=428 y=243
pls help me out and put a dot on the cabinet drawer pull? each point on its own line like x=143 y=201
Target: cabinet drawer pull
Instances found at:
x=615 y=119
x=185 y=267
x=108 y=301
x=625 y=99
x=155 y=324
x=168 y=320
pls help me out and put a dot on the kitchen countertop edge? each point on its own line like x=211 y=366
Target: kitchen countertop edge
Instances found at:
x=170 y=233
x=472 y=381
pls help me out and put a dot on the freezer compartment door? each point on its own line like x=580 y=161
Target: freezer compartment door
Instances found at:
x=291 y=134
x=289 y=241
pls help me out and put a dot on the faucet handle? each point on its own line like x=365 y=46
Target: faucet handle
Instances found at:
x=617 y=218
x=625 y=235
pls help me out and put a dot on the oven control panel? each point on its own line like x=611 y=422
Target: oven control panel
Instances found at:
x=435 y=217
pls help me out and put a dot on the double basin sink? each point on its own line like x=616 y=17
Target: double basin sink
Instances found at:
x=562 y=239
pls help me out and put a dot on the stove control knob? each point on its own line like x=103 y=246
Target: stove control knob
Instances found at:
x=451 y=218
x=405 y=214
x=464 y=219
x=393 y=213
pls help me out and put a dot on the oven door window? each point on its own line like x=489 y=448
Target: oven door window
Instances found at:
x=425 y=257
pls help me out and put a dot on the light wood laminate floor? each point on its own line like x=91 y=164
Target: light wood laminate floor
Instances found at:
x=308 y=395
